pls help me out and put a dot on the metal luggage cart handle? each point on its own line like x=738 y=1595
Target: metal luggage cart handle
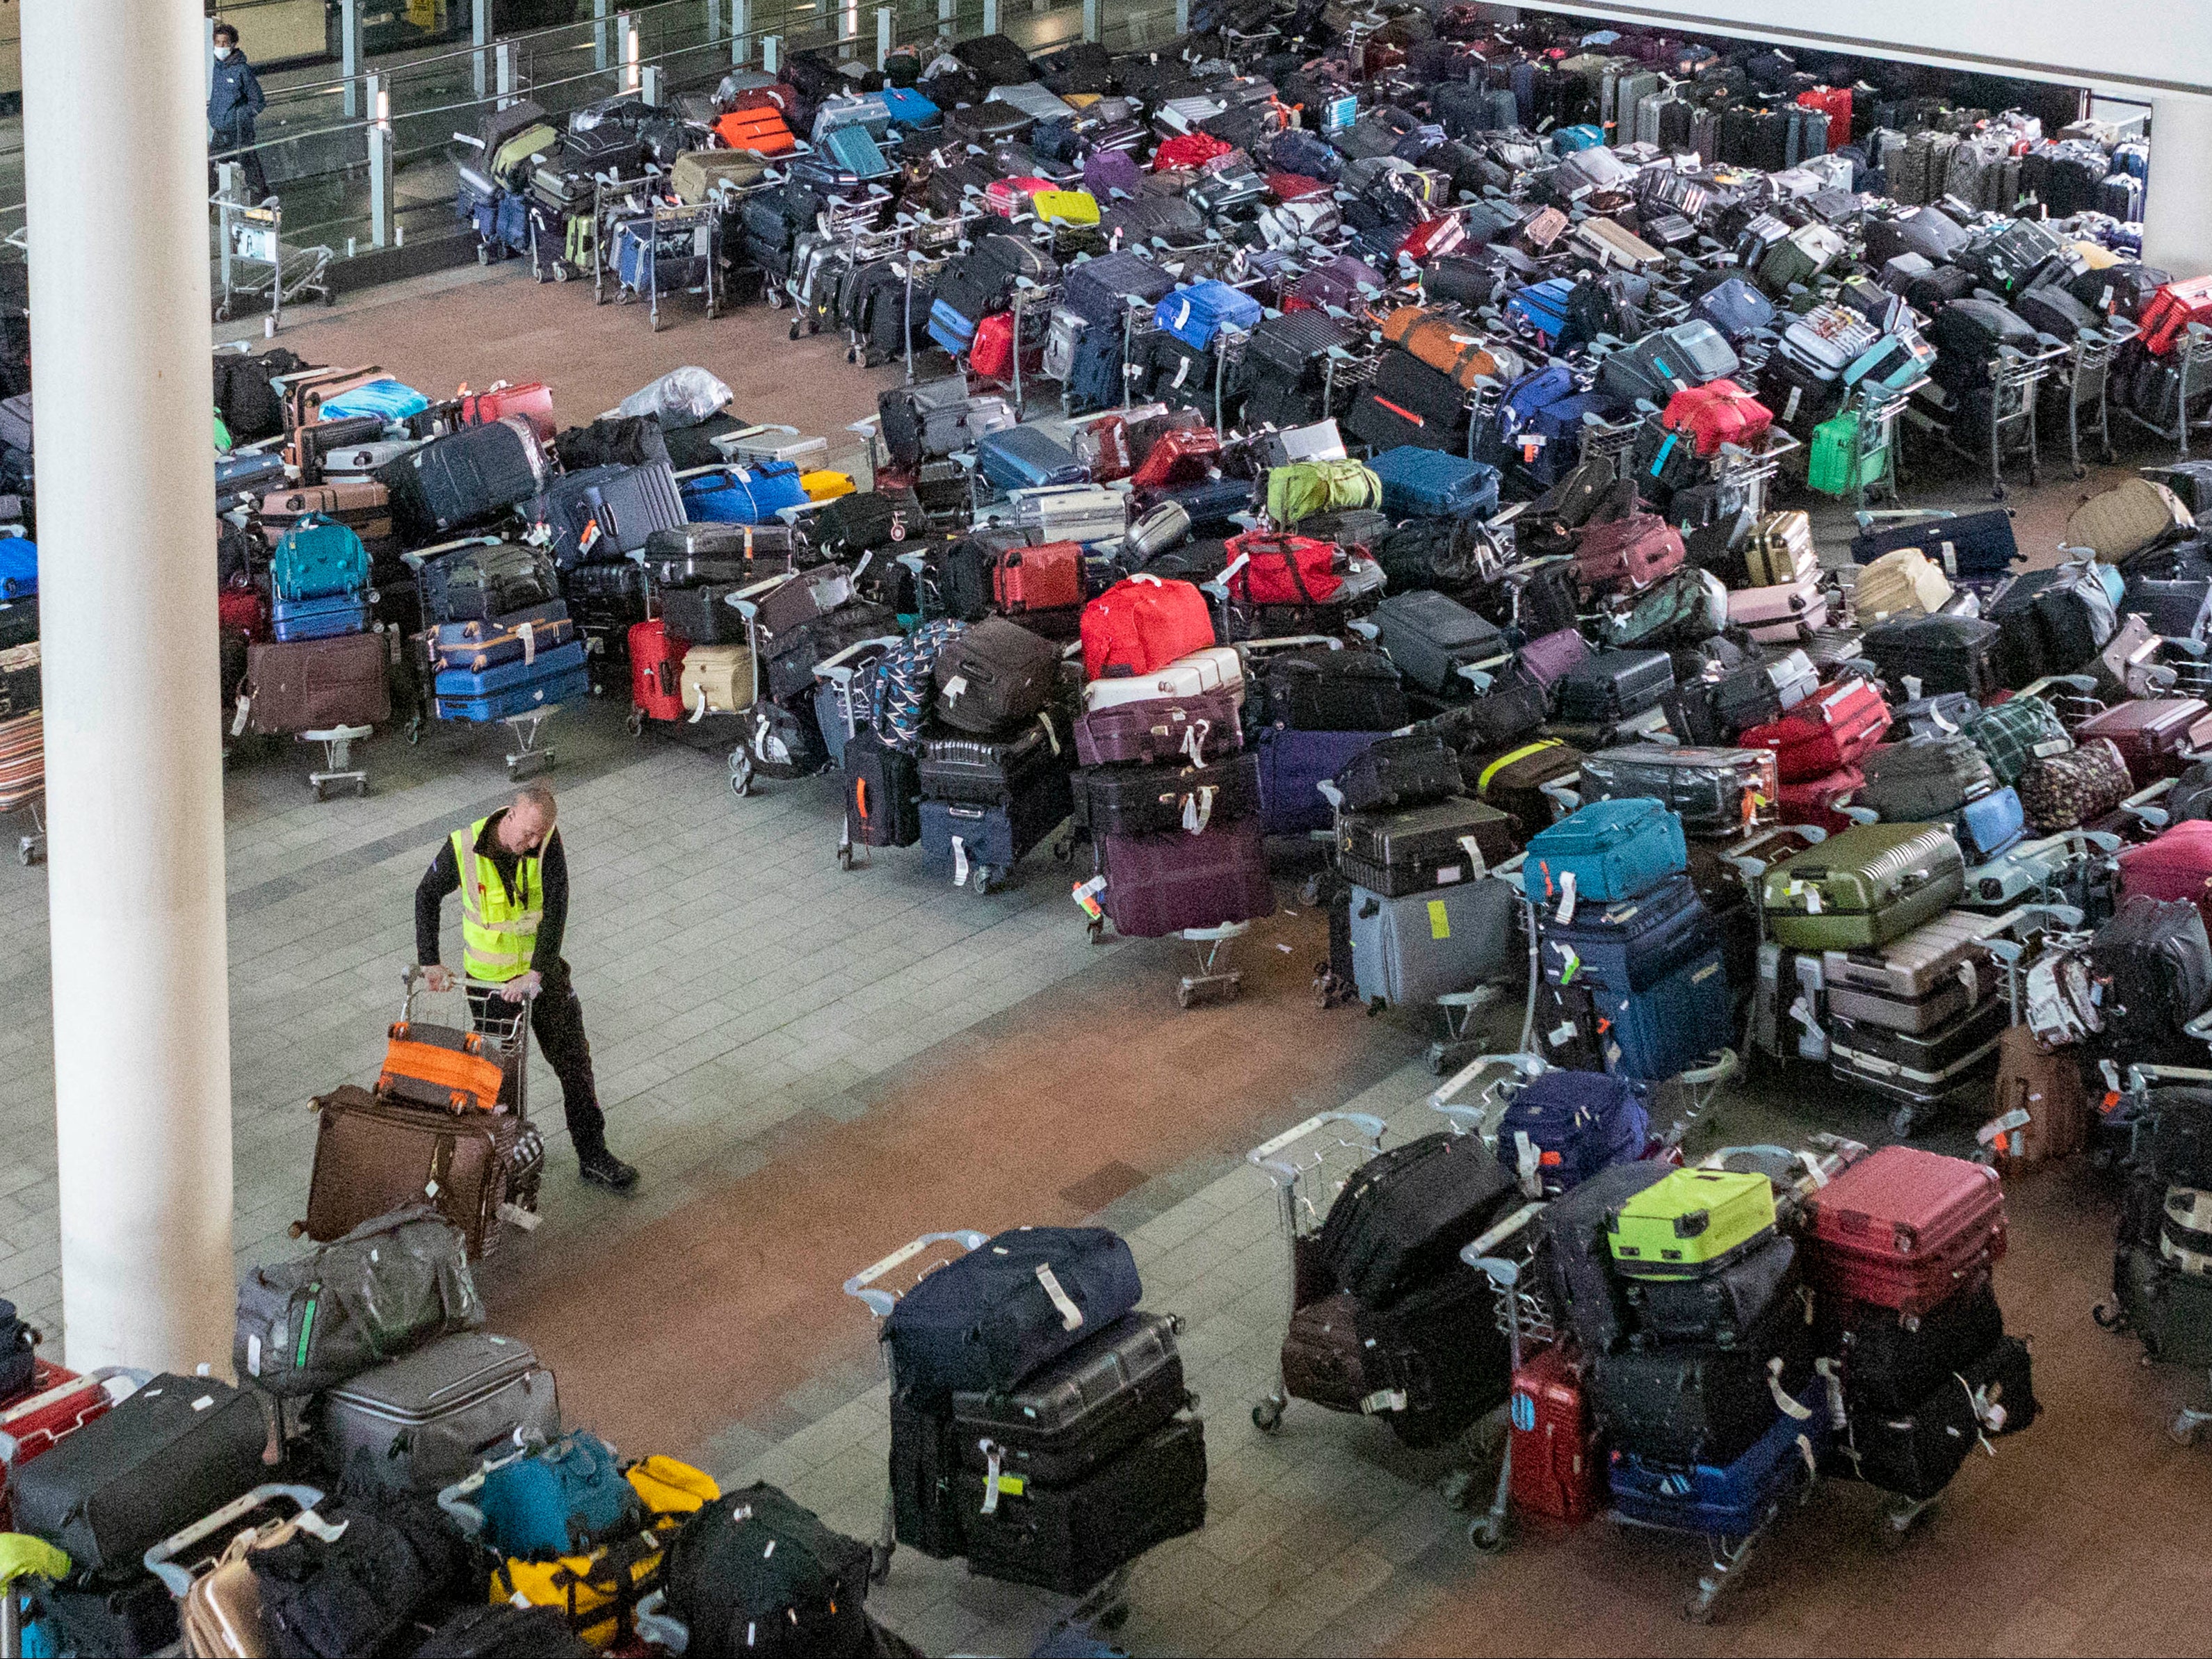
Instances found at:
x=1262 y=1156
x=160 y=1560
x=880 y=1302
x=1469 y=1118
x=10 y=1446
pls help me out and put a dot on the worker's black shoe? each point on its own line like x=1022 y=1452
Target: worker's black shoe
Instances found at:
x=603 y=1169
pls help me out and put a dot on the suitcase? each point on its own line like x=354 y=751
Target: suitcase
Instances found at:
x=1433 y=638
x=1164 y=884
x=1292 y=765
x=1400 y=1218
x=1945 y=654
x=1824 y=734
x=1613 y=850
x=1676 y=1023
x=991 y=771
x=993 y=677
x=1421 y=482
x=656 y=670
x=960 y=838
x=925 y=1458
x=2176 y=865
x=882 y=792
x=504 y=681
x=1723 y=1307
x=1193 y=728
x=719 y=677
x=374 y=1156
x=1068 y=1539
x=1408 y=951
x=2157 y=737
x=295 y=621
x=312 y=685
x=1683 y=1407
x=58 y=1404
x=1631 y=944
x=1557 y=1469
x=428 y=1418
x=174 y=1450
x=1025 y=458
x=1904 y=1229
x=1514 y=781
x=464 y=477
x=1614 y=685
x=1627 y=555
x=1586 y=1295
x=1414 y=849
x=1727 y=1497
x=476 y=582
x=606 y=514
x=1430 y=1365
x=1321 y=690
x=517 y=637
x=1392 y=772
x=1691 y=1225
x=1918 y=981
x=1147 y=800
x=1924 y=780
x=1056 y=1426
x=1714 y=792
x=1863 y=887
x=703 y=615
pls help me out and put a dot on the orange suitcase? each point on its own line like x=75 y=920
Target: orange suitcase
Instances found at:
x=437 y=1065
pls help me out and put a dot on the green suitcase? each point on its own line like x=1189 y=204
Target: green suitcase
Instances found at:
x=1870 y=884
x=1692 y=1224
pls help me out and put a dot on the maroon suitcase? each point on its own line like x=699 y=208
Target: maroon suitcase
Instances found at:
x=2156 y=736
x=1161 y=884
x=1196 y=729
x=1904 y=1229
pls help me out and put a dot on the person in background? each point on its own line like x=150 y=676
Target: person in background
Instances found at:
x=235 y=98
x=512 y=877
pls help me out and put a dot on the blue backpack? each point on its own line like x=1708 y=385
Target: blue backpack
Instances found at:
x=319 y=558
x=743 y=495
x=18 y=566
x=1565 y=1127
x=561 y=1500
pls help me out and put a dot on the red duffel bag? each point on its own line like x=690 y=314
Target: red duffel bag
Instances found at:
x=1282 y=569
x=1136 y=625
x=1716 y=413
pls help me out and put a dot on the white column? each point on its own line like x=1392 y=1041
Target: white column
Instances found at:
x=2177 y=209
x=480 y=37
x=119 y=305
x=352 y=52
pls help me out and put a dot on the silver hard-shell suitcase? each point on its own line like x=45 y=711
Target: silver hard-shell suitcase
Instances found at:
x=432 y=1417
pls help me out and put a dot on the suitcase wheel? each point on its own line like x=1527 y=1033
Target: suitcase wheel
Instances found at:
x=636 y=721
x=1268 y=1415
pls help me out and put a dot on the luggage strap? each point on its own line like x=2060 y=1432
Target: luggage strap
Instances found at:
x=1482 y=782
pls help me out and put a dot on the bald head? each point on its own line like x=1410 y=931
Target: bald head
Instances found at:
x=529 y=819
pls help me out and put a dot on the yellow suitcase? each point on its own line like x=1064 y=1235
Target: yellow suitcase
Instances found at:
x=1069 y=207
x=826 y=486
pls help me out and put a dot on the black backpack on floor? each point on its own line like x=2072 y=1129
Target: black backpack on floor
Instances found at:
x=755 y=1575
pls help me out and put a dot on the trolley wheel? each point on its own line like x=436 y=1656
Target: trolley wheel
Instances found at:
x=1183 y=998
x=2183 y=1429
x=360 y=789
x=322 y=791
x=984 y=881
x=2080 y=471
x=851 y=355
x=1309 y=891
x=1488 y=1534
x=1324 y=987
x=414 y=730
x=1900 y=1122
x=1698 y=1609
x=330 y=297
x=484 y=254
x=1995 y=494
x=775 y=302
x=658 y=325
x=541 y=276
x=741 y=772
x=28 y=852
x=636 y=720
x=795 y=330
x=223 y=312
x=623 y=296
x=1098 y=930
x=1063 y=850
x=844 y=857
x=560 y=272
x=2108 y=1316
x=879 y=1563
x=1267 y=1416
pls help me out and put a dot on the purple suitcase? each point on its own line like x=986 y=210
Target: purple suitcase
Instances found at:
x=1550 y=656
x=1201 y=728
x=1161 y=884
x=1290 y=764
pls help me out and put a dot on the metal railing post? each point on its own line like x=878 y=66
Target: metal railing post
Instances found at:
x=226 y=190
x=945 y=15
x=480 y=40
x=1091 y=20
x=599 y=34
x=990 y=16
x=771 y=52
x=713 y=20
x=648 y=85
x=379 y=161
x=886 y=17
x=350 y=54
x=1182 y=17
x=507 y=70
x=626 y=33
x=741 y=32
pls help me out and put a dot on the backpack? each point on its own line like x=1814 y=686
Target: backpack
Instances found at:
x=753 y=1574
x=2156 y=962
x=899 y=688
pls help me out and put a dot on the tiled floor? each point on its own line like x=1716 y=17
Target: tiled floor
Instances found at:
x=812 y=1065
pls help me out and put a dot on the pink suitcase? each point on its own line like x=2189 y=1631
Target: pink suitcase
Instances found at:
x=2177 y=865
x=1161 y=884
x=1196 y=729
x=1772 y=615
x=1904 y=1229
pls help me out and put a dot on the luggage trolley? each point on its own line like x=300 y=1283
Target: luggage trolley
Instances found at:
x=668 y=249
x=1295 y=1163
x=250 y=240
x=504 y=1025
x=527 y=723
x=1101 y=1609
x=1507 y=1254
x=2192 y=369
x=2014 y=380
x=2085 y=382
x=766 y=750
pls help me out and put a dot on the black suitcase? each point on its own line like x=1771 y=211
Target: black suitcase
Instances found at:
x=1055 y=1427
x=1144 y=800
x=179 y=1448
x=464 y=477
x=1292 y=349
x=1612 y=685
x=1944 y=653
x=1723 y=1308
x=1407 y=402
x=1402 y=1216
x=1915 y=1454
x=1418 y=848
x=1512 y=707
x=1321 y=690
x=882 y=792
x=1432 y=638
x=926 y=1510
x=991 y=771
x=686 y=555
x=121 y=1613
x=1394 y=772
x=1700 y=1404
x=993 y=677
x=1891 y=1363
x=1068 y=1539
x=702 y=616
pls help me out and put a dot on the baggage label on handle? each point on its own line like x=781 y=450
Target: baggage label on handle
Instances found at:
x=1071 y=1316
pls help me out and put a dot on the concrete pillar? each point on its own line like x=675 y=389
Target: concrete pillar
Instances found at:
x=1091 y=20
x=648 y=85
x=713 y=20
x=480 y=40
x=120 y=302
x=771 y=53
x=2176 y=211
x=1182 y=17
x=599 y=55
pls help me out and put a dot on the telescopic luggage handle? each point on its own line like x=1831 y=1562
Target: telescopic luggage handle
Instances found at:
x=861 y=1286
x=160 y=1558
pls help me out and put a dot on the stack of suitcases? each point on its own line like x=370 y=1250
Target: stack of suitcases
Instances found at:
x=501 y=639
x=328 y=666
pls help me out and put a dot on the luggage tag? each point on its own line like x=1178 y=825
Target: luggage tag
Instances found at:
x=1565 y=912
x=238 y=720
x=1529 y=1162
x=959 y=862
x=1996 y=1132
x=1571 y=963
x=1086 y=894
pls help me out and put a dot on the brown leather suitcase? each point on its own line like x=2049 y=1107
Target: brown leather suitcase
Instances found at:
x=1323 y=1360
x=374 y=1156
x=2037 y=1111
x=311 y=685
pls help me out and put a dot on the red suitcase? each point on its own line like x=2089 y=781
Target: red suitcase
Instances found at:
x=656 y=672
x=1434 y=238
x=1627 y=556
x=1904 y=1229
x=1819 y=801
x=1556 y=1471
x=1836 y=103
x=2166 y=318
x=2178 y=865
x=1296 y=186
x=1161 y=884
x=1049 y=577
x=60 y=1403
x=533 y=400
x=2156 y=736
x=1826 y=733
x=1721 y=412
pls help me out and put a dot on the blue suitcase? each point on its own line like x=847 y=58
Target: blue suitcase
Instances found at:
x=250 y=474
x=1735 y=308
x=1023 y=458
x=324 y=618
x=573 y=686
x=387 y=400
x=317 y=558
x=506 y=678
x=1098 y=290
x=1676 y=1025
x=1990 y=826
x=475 y=646
x=1565 y=1127
x=1195 y=314
x=993 y=838
x=1293 y=764
x=18 y=566
x=949 y=329
x=1567 y=140
x=1543 y=306
x=743 y=495
x=1614 y=849
x=1629 y=945
x=1427 y=483
x=513 y=220
x=908 y=108
x=476 y=203
x=851 y=149
x=1731 y=1501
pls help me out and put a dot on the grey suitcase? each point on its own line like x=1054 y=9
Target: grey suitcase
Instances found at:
x=1916 y=982
x=1409 y=952
x=433 y=1417
x=1432 y=637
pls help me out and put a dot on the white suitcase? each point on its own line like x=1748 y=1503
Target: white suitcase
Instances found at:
x=1209 y=669
x=1780 y=613
x=1073 y=513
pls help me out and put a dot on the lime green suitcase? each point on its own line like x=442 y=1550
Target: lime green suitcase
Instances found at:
x=1693 y=1223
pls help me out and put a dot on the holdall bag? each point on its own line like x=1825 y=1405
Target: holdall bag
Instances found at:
x=1734 y=1497
x=1303 y=488
x=389 y=1286
x=1610 y=849
x=1916 y=1454
x=2156 y=970
x=1904 y=583
x=1562 y=1127
x=753 y=1573
x=563 y=1499
x=2077 y=787
x=1509 y=709
x=318 y=558
x=2124 y=520
x=2015 y=733
x=1711 y=415
x=1402 y=1216
x=1317 y=689
x=1399 y=771
x=1141 y=623
x=1714 y=792
x=1865 y=886
x=1013 y=1304
x=1824 y=733
x=1282 y=569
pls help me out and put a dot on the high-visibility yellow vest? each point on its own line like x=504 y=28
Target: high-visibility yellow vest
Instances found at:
x=499 y=928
